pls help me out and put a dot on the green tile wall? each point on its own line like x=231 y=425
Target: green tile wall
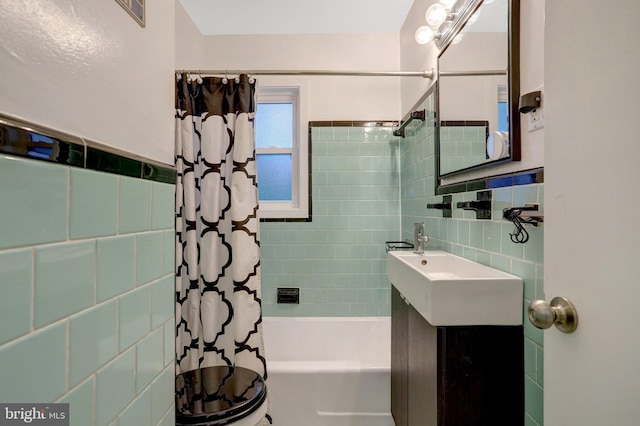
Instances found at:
x=338 y=259
x=86 y=272
x=486 y=242
x=369 y=187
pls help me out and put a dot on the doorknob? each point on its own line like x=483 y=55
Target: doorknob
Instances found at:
x=560 y=312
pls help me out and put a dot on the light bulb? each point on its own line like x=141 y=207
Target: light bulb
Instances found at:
x=448 y=4
x=487 y=2
x=424 y=34
x=436 y=15
x=458 y=38
x=474 y=18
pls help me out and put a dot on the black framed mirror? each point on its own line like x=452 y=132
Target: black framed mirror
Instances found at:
x=478 y=91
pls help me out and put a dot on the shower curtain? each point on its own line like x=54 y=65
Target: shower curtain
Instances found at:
x=218 y=301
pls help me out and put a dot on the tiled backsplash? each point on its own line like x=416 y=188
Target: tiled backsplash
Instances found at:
x=86 y=294
x=484 y=241
x=338 y=259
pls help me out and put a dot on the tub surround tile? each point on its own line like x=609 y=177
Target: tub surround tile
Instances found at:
x=169 y=418
x=163 y=304
x=116 y=266
x=94 y=204
x=355 y=197
x=134 y=316
x=169 y=342
x=149 y=257
x=162 y=206
x=93 y=340
x=138 y=412
x=37 y=210
x=149 y=358
x=162 y=394
x=39 y=363
x=81 y=403
x=169 y=251
x=16 y=277
x=135 y=205
x=115 y=387
x=71 y=280
x=64 y=280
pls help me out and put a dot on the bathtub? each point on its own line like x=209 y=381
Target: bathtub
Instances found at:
x=329 y=371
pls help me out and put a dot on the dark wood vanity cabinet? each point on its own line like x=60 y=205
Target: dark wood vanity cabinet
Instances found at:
x=454 y=376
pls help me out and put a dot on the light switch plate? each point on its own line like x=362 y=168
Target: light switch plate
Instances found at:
x=536 y=119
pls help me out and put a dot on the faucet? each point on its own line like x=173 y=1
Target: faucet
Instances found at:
x=419 y=238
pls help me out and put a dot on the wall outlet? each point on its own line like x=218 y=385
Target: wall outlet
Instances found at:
x=536 y=119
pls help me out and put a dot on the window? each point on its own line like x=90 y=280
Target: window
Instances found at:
x=503 y=109
x=281 y=155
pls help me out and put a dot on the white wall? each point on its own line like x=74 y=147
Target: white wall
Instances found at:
x=413 y=55
x=327 y=98
x=189 y=41
x=87 y=68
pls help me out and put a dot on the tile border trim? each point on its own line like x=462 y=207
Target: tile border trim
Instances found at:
x=347 y=123
x=24 y=139
x=525 y=177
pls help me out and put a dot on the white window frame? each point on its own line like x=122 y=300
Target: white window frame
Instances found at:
x=298 y=207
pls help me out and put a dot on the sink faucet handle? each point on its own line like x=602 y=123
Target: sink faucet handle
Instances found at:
x=418 y=236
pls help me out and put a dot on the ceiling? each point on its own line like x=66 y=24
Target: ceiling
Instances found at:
x=224 y=17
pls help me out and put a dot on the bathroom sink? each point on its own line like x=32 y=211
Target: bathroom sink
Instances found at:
x=449 y=290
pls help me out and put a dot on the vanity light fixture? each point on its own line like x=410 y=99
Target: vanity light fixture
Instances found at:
x=445 y=19
x=448 y=4
x=425 y=34
x=436 y=15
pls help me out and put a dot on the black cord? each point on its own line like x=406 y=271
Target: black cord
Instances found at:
x=520 y=235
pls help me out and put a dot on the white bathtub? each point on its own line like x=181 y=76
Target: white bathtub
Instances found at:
x=329 y=371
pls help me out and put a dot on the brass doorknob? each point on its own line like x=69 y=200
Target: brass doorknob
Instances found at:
x=560 y=312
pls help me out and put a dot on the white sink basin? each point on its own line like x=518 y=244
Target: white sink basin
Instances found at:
x=449 y=290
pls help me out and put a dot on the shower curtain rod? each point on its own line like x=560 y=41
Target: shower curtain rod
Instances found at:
x=471 y=73
x=424 y=74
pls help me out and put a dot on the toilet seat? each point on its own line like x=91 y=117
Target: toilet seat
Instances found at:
x=221 y=395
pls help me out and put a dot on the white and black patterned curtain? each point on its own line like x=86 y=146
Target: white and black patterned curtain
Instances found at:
x=218 y=306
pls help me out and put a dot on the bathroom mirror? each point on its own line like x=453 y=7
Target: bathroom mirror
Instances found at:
x=478 y=91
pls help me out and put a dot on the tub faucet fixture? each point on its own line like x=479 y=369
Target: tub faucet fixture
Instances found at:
x=419 y=238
